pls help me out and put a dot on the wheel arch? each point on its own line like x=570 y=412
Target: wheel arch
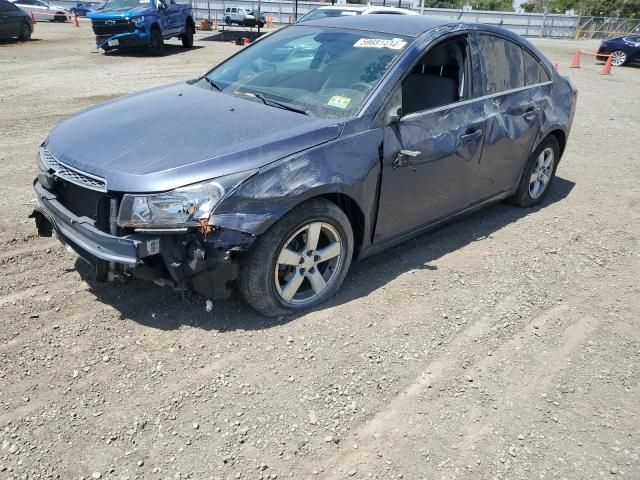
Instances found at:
x=560 y=135
x=355 y=215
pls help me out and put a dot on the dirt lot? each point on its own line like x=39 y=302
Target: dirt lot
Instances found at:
x=503 y=346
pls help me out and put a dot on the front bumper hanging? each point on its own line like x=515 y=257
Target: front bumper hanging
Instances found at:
x=205 y=262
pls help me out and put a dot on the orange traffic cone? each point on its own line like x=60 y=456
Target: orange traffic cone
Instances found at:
x=606 y=70
x=33 y=17
x=215 y=24
x=576 y=60
x=555 y=66
x=75 y=21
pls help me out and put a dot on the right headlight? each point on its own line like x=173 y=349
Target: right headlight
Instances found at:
x=182 y=207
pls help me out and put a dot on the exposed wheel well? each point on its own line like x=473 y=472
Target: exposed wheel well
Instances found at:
x=190 y=22
x=562 y=139
x=355 y=215
x=155 y=26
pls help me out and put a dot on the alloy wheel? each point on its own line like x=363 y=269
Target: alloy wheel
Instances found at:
x=542 y=173
x=618 y=58
x=308 y=263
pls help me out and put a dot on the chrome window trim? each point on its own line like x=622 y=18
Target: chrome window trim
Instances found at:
x=449 y=106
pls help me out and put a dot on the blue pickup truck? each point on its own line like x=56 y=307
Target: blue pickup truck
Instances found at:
x=142 y=23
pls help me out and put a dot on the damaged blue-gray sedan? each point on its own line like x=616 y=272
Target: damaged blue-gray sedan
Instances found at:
x=321 y=143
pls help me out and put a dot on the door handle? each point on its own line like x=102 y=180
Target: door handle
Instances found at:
x=471 y=136
x=403 y=157
x=530 y=113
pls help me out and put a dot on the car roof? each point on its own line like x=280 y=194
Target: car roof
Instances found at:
x=409 y=25
x=357 y=8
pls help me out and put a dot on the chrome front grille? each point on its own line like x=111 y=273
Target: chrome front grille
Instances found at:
x=71 y=174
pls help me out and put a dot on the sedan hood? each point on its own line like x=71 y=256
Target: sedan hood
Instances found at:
x=180 y=134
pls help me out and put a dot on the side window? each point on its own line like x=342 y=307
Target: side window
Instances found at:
x=534 y=72
x=234 y=10
x=440 y=77
x=502 y=64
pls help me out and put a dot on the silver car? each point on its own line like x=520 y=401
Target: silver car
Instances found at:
x=243 y=17
x=42 y=11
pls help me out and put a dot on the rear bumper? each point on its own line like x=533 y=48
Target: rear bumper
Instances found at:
x=84 y=238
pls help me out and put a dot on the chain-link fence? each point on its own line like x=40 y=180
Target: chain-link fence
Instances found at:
x=607 y=27
x=525 y=24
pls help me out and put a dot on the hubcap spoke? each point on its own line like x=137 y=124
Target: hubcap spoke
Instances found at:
x=317 y=281
x=534 y=188
x=289 y=257
x=292 y=286
x=313 y=235
x=328 y=252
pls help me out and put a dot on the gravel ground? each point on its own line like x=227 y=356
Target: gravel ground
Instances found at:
x=502 y=346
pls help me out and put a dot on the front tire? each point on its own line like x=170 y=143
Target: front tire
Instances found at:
x=300 y=262
x=227 y=20
x=538 y=174
x=156 y=43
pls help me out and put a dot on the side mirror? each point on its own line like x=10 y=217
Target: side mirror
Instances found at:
x=394 y=108
x=394 y=117
x=161 y=5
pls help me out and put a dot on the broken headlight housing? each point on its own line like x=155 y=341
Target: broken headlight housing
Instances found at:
x=182 y=207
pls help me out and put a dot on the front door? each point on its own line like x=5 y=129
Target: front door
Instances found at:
x=171 y=20
x=431 y=154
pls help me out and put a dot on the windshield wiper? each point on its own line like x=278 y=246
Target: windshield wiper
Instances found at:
x=275 y=103
x=212 y=83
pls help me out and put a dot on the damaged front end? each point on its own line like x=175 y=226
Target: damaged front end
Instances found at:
x=85 y=218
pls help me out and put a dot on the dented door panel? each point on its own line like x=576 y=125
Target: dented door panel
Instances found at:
x=513 y=121
x=437 y=181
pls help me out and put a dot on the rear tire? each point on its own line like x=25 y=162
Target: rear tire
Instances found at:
x=227 y=20
x=60 y=17
x=291 y=269
x=156 y=43
x=25 y=32
x=538 y=174
x=187 y=37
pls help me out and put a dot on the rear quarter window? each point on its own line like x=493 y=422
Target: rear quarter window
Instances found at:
x=534 y=71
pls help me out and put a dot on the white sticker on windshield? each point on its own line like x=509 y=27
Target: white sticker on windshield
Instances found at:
x=393 y=44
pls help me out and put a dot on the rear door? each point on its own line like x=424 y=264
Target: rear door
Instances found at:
x=513 y=110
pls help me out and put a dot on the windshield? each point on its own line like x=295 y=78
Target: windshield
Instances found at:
x=328 y=12
x=323 y=72
x=124 y=4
